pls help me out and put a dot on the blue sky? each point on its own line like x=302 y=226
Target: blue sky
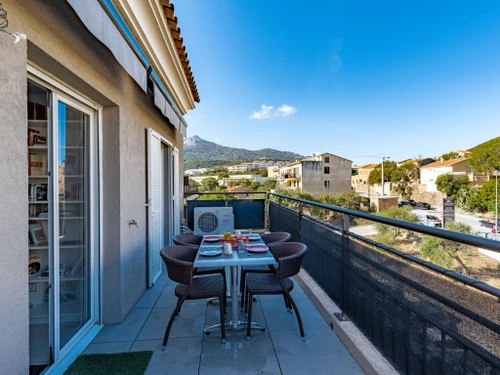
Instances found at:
x=353 y=78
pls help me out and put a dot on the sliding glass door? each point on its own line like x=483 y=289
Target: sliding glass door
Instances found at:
x=63 y=222
x=73 y=187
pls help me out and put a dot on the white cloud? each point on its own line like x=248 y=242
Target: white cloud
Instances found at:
x=265 y=112
x=286 y=110
x=268 y=111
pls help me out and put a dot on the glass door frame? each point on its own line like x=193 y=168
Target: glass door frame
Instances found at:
x=60 y=92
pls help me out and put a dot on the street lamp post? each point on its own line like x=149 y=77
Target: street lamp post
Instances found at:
x=383 y=180
x=496 y=203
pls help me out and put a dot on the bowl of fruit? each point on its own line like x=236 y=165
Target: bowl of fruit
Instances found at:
x=228 y=237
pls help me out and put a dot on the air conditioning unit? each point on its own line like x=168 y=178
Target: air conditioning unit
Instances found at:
x=213 y=220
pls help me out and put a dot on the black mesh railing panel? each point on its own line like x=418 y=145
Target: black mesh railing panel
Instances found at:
x=323 y=261
x=422 y=320
x=284 y=220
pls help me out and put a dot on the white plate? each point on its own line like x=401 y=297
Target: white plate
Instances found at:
x=211 y=253
x=257 y=248
x=253 y=237
x=211 y=238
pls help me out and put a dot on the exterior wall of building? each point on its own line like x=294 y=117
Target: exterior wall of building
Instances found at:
x=273 y=172
x=14 y=303
x=313 y=176
x=360 y=181
x=147 y=19
x=66 y=49
x=428 y=176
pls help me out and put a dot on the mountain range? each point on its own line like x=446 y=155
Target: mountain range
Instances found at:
x=199 y=153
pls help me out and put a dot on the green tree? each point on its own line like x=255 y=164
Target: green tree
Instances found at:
x=402 y=179
x=245 y=182
x=269 y=184
x=385 y=231
x=444 y=252
x=486 y=156
x=255 y=185
x=208 y=184
x=375 y=177
x=263 y=172
x=483 y=199
x=215 y=196
x=450 y=155
x=450 y=185
x=222 y=175
x=193 y=182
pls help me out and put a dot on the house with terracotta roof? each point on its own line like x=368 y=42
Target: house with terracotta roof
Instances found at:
x=418 y=162
x=359 y=182
x=430 y=172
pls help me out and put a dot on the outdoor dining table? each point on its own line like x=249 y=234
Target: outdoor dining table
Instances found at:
x=233 y=262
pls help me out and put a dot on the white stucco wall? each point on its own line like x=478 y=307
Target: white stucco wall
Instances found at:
x=14 y=304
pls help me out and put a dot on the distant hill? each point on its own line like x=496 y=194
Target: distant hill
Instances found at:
x=494 y=142
x=199 y=153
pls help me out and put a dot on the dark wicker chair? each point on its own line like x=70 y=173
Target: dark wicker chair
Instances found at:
x=195 y=241
x=289 y=256
x=179 y=262
x=270 y=238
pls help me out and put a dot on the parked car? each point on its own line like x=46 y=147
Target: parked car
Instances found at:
x=433 y=221
x=404 y=203
x=486 y=223
x=423 y=206
x=412 y=202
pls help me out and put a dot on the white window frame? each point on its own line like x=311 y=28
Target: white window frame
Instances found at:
x=64 y=93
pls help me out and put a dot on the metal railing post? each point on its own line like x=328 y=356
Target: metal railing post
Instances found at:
x=345 y=228
x=267 y=221
x=301 y=209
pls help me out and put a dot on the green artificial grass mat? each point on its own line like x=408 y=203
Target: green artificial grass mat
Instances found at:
x=132 y=363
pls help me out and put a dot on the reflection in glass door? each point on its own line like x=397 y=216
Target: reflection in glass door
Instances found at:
x=73 y=186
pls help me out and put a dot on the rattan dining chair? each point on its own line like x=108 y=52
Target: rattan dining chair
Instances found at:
x=195 y=241
x=289 y=256
x=179 y=262
x=270 y=238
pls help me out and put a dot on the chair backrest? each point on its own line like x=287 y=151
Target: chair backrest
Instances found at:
x=289 y=256
x=276 y=237
x=179 y=261
x=188 y=240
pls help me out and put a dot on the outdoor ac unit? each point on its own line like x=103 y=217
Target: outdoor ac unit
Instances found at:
x=213 y=220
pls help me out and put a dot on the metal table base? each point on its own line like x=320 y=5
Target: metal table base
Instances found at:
x=234 y=324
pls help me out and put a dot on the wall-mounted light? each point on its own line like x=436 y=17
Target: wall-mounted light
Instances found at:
x=4 y=22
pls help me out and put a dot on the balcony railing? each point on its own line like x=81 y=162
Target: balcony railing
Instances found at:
x=424 y=318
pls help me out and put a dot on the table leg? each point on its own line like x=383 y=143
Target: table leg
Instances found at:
x=235 y=324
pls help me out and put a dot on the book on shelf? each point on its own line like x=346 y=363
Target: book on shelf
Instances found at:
x=37 y=234
x=37 y=111
x=34 y=262
x=37 y=136
x=39 y=140
x=37 y=192
x=31 y=135
x=35 y=164
x=39 y=210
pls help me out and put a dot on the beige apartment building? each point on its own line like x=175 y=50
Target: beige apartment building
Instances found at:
x=316 y=174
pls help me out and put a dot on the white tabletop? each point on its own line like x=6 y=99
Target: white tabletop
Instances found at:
x=235 y=259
